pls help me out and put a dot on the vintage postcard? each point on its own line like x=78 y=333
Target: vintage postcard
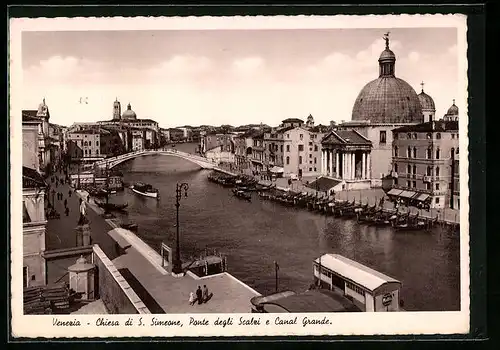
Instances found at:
x=246 y=176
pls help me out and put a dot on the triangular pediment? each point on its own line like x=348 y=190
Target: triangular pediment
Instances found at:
x=333 y=138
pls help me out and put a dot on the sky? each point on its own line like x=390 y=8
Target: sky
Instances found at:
x=180 y=77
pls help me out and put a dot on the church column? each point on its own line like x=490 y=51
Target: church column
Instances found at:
x=343 y=165
x=353 y=171
x=363 y=165
x=348 y=165
x=368 y=169
x=330 y=162
x=337 y=165
x=322 y=162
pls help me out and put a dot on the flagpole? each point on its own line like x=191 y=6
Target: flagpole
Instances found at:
x=276 y=268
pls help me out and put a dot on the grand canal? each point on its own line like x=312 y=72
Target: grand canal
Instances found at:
x=255 y=234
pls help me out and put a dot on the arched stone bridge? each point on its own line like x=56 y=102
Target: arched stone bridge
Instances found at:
x=114 y=161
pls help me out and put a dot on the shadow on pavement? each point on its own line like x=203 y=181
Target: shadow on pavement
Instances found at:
x=141 y=292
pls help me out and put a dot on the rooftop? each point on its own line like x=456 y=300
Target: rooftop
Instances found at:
x=314 y=300
x=436 y=126
x=345 y=137
x=292 y=120
x=354 y=271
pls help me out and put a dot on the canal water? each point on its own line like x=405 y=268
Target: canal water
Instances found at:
x=255 y=234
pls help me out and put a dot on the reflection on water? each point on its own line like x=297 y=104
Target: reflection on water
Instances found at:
x=255 y=234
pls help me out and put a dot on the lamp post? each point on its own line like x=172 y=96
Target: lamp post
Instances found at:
x=177 y=264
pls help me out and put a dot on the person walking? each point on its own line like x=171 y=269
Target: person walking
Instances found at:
x=205 y=293
x=191 y=298
x=199 y=295
x=66 y=203
x=66 y=211
x=83 y=212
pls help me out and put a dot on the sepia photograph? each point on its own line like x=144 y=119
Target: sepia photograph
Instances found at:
x=233 y=177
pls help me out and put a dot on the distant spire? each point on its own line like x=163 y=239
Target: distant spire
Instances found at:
x=422 y=84
x=44 y=100
x=453 y=101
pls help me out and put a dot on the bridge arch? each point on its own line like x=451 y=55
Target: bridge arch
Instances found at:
x=202 y=162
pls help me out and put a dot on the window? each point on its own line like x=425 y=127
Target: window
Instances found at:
x=310 y=155
x=85 y=143
x=315 y=169
x=437 y=200
x=281 y=148
x=408 y=152
x=452 y=136
x=96 y=151
x=396 y=151
x=288 y=148
x=300 y=159
x=315 y=161
x=429 y=136
x=429 y=153
x=396 y=181
x=437 y=153
x=408 y=169
x=395 y=167
x=287 y=136
x=437 y=171
x=414 y=169
x=301 y=136
x=429 y=171
x=408 y=183
x=301 y=148
x=438 y=136
x=310 y=143
x=315 y=148
x=383 y=137
x=414 y=184
x=310 y=162
x=270 y=148
x=427 y=185
x=437 y=186
x=287 y=160
x=414 y=152
x=85 y=152
x=310 y=169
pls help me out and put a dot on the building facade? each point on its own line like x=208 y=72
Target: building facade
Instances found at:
x=274 y=145
x=302 y=152
x=346 y=156
x=425 y=158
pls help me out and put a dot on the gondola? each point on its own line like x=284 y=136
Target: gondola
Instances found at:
x=130 y=227
x=112 y=206
x=242 y=194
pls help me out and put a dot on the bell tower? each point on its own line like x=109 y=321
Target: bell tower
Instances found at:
x=117 y=110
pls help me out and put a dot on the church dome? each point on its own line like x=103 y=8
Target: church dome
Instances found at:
x=129 y=113
x=387 y=99
x=453 y=110
x=426 y=101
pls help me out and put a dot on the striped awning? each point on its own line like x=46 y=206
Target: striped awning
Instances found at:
x=422 y=197
x=394 y=192
x=407 y=194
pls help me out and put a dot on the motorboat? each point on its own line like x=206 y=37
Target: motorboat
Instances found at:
x=145 y=190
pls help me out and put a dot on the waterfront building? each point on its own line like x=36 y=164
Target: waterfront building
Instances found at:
x=346 y=157
x=94 y=143
x=302 y=153
x=274 y=146
x=34 y=224
x=176 y=135
x=138 y=141
x=425 y=158
x=49 y=151
x=243 y=144
x=187 y=133
x=258 y=151
x=219 y=147
x=382 y=105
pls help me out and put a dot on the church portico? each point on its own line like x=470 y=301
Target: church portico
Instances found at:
x=346 y=156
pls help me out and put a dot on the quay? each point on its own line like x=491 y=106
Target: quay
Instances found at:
x=367 y=196
x=141 y=266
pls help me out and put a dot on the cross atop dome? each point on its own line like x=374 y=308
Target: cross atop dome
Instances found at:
x=422 y=85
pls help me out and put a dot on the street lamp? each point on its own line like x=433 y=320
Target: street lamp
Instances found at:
x=177 y=264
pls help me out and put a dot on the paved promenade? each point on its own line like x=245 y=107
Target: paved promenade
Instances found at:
x=140 y=265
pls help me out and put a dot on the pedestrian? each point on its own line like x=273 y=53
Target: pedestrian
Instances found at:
x=191 y=298
x=199 y=295
x=205 y=293
x=69 y=193
x=83 y=212
x=66 y=203
x=66 y=210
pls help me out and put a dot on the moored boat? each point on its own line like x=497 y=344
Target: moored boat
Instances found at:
x=242 y=194
x=145 y=190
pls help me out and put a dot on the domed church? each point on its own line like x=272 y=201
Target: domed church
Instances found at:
x=382 y=105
